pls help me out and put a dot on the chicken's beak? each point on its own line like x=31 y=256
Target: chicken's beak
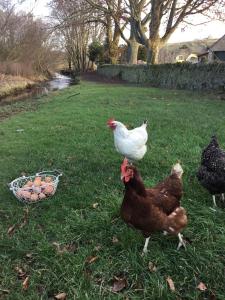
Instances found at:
x=111 y=123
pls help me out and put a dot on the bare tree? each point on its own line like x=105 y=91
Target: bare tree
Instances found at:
x=165 y=16
x=111 y=12
x=75 y=21
x=162 y=17
x=133 y=10
x=25 y=44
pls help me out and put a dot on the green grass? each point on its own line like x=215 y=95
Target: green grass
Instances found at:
x=70 y=134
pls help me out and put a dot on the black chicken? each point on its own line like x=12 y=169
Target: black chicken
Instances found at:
x=211 y=173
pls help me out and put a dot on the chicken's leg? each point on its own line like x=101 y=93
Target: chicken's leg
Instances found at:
x=181 y=241
x=145 y=249
x=214 y=200
x=222 y=196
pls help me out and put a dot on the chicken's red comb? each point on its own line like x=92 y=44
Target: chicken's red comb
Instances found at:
x=124 y=166
x=109 y=122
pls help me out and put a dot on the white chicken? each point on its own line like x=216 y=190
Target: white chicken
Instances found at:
x=130 y=143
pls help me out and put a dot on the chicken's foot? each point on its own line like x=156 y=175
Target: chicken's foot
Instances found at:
x=181 y=241
x=145 y=249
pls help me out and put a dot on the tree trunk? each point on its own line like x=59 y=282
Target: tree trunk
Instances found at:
x=112 y=39
x=113 y=52
x=153 y=52
x=69 y=63
x=133 y=47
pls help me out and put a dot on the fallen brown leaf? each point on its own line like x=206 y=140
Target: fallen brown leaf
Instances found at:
x=29 y=255
x=60 y=296
x=24 y=221
x=50 y=162
x=201 y=286
x=25 y=283
x=20 y=273
x=95 y=205
x=4 y=291
x=152 y=267
x=64 y=248
x=98 y=247
x=119 y=284
x=71 y=247
x=12 y=229
x=115 y=240
x=91 y=259
x=170 y=283
x=57 y=245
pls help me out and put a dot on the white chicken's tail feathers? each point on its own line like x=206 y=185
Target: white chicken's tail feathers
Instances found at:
x=145 y=123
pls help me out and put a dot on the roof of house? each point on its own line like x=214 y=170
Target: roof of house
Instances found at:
x=219 y=45
x=170 y=51
x=196 y=46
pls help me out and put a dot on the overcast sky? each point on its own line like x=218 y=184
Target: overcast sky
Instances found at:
x=214 y=29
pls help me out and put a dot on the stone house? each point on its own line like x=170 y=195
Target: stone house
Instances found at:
x=185 y=51
x=215 y=52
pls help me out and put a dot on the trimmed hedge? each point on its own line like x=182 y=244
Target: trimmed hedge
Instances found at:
x=176 y=76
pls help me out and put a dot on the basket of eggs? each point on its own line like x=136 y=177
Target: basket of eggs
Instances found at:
x=39 y=187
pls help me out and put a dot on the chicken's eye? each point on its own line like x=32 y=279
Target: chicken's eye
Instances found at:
x=129 y=174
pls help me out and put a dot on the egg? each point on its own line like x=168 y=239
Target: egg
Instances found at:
x=27 y=188
x=34 y=197
x=37 y=181
x=49 y=190
x=42 y=196
x=48 y=179
x=19 y=192
x=26 y=195
x=37 y=189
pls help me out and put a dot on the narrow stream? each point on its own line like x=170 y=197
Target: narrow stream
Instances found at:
x=58 y=82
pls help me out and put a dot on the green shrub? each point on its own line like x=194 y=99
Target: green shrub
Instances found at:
x=177 y=76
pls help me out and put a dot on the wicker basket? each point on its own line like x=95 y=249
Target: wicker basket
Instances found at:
x=18 y=183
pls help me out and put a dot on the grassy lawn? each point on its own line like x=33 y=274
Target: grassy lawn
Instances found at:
x=69 y=246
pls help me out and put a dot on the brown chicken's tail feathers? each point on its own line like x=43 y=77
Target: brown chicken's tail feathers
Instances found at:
x=177 y=221
x=177 y=169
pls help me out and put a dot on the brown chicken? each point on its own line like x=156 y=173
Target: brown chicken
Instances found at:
x=153 y=209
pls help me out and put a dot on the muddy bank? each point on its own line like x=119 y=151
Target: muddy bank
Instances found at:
x=17 y=94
